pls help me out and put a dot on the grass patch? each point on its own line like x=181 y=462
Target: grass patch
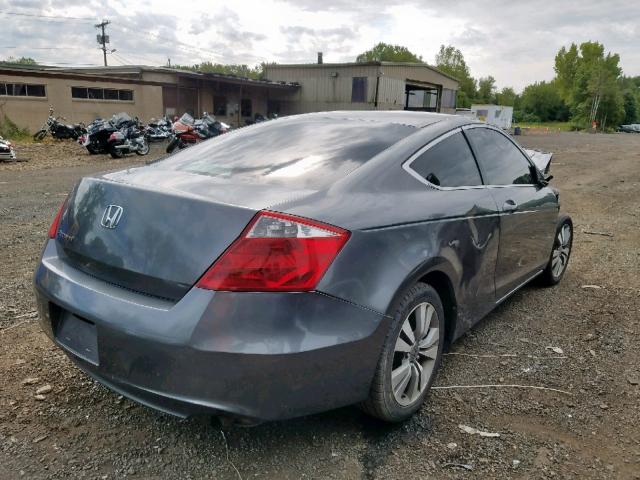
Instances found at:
x=562 y=126
x=10 y=131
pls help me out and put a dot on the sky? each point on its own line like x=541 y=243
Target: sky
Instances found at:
x=514 y=40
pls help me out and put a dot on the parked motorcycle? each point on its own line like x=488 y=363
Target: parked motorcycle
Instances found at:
x=158 y=130
x=58 y=130
x=6 y=150
x=187 y=131
x=96 y=140
x=129 y=139
x=97 y=136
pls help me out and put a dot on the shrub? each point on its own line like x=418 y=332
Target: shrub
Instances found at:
x=11 y=131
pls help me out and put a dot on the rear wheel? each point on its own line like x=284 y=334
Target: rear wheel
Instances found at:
x=560 y=254
x=116 y=152
x=411 y=356
x=39 y=135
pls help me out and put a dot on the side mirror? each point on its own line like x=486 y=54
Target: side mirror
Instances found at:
x=539 y=177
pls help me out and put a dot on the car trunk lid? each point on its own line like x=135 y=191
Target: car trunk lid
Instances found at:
x=157 y=241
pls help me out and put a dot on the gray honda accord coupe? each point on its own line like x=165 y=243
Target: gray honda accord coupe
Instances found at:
x=297 y=265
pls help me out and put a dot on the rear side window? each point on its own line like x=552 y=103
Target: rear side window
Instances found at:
x=305 y=153
x=501 y=161
x=449 y=163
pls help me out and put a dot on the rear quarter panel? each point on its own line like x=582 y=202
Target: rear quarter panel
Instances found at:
x=454 y=232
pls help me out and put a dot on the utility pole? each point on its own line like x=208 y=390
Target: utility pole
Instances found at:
x=103 y=39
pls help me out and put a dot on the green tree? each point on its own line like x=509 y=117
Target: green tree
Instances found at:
x=631 y=92
x=384 y=52
x=239 y=70
x=589 y=82
x=506 y=96
x=630 y=108
x=451 y=61
x=20 y=61
x=486 y=90
x=566 y=66
x=542 y=102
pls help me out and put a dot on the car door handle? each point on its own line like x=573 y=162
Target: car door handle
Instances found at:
x=509 y=206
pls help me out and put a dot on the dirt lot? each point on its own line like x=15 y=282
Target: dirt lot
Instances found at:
x=81 y=430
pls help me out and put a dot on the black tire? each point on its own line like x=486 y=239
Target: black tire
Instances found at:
x=548 y=277
x=173 y=144
x=145 y=150
x=39 y=135
x=116 y=152
x=382 y=403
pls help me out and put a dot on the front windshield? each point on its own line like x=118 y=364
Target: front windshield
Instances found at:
x=120 y=118
x=186 y=119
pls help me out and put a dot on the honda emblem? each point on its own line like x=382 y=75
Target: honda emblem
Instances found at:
x=111 y=217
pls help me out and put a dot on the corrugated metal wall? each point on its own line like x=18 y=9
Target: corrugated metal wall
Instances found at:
x=328 y=87
x=391 y=93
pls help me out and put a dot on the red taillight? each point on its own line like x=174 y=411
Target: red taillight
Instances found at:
x=276 y=253
x=53 y=229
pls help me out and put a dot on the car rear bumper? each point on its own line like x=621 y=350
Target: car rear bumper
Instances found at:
x=263 y=356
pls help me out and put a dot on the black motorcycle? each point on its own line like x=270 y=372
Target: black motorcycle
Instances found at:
x=129 y=139
x=158 y=130
x=97 y=137
x=96 y=140
x=58 y=130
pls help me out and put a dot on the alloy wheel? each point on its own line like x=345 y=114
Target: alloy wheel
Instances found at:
x=560 y=256
x=415 y=354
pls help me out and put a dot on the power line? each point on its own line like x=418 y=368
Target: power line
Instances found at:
x=43 y=48
x=51 y=17
x=184 y=47
x=119 y=58
x=71 y=63
x=145 y=59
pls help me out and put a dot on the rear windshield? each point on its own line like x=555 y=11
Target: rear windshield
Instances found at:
x=308 y=153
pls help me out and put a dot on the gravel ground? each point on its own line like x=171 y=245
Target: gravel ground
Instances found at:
x=76 y=428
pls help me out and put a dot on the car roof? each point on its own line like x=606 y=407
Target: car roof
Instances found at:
x=414 y=119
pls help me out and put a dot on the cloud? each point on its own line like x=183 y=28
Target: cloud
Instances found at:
x=516 y=42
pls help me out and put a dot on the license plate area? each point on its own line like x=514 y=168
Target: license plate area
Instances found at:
x=78 y=336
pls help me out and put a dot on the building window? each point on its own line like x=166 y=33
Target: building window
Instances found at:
x=220 y=106
x=96 y=93
x=245 y=107
x=78 y=92
x=448 y=98
x=359 y=90
x=111 y=94
x=22 y=90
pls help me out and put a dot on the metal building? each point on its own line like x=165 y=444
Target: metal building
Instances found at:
x=365 y=86
x=82 y=94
